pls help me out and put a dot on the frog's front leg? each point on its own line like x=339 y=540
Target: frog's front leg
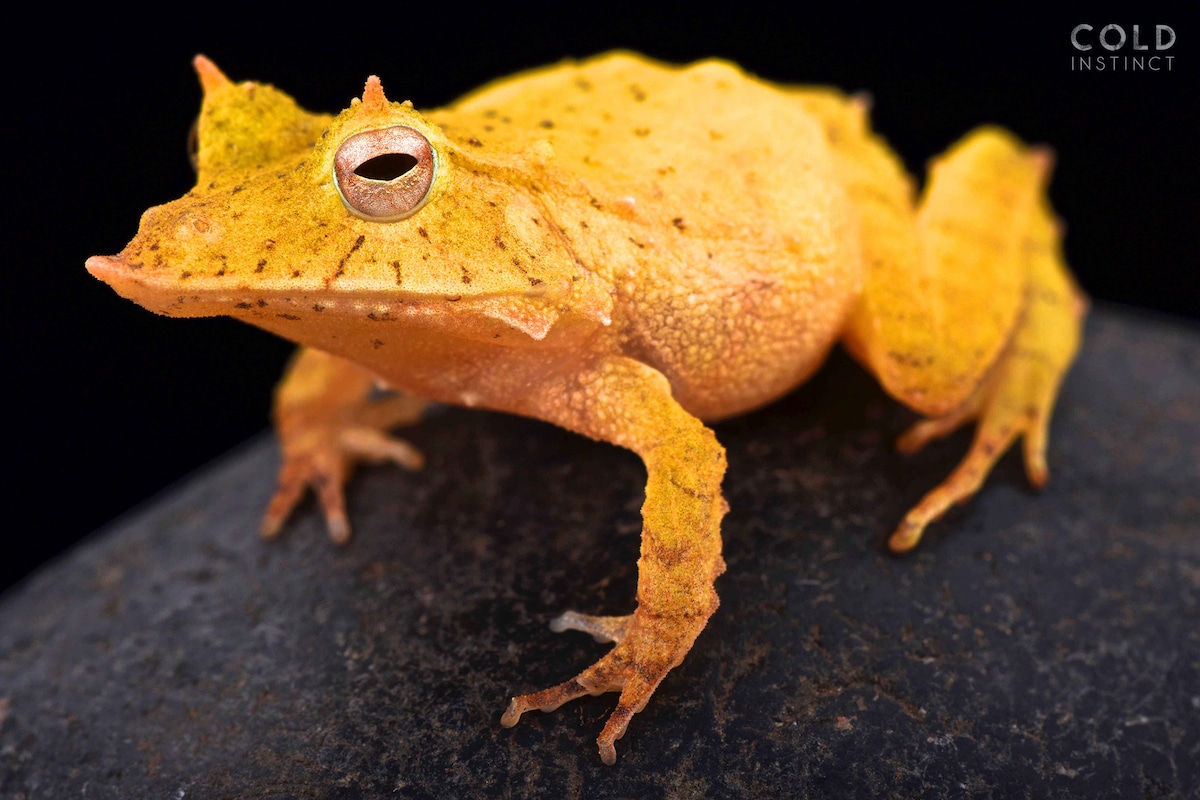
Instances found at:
x=627 y=403
x=327 y=421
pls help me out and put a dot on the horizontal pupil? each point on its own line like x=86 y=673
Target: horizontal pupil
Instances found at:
x=386 y=167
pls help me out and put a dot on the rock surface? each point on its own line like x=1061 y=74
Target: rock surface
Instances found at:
x=1035 y=645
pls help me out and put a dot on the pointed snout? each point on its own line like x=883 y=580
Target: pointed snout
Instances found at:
x=106 y=268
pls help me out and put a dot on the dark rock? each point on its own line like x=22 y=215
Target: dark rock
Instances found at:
x=1035 y=645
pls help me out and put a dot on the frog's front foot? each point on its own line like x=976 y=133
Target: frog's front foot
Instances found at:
x=322 y=456
x=328 y=419
x=648 y=647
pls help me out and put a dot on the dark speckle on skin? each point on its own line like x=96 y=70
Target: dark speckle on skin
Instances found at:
x=547 y=123
x=639 y=94
x=243 y=304
x=183 y=276
x=424 y=234
x=641 y=132
x=474 y=142
x=341 y=268
x=678 y=223
x=317 y=307
x=295 y=273
x=261 y=303
x=500 y=242
x=262 y=264
x=377 y=343
x=399 y=274
x=292 y=317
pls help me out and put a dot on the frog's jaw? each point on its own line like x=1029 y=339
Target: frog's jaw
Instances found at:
x=294 y=314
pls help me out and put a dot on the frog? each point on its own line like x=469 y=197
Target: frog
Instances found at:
x=630 y=250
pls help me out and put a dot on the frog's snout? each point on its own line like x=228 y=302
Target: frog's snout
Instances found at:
x=110 y=269
x=125 y=277
x=118 y=272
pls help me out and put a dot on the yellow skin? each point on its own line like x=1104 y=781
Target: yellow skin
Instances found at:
x=625 y=249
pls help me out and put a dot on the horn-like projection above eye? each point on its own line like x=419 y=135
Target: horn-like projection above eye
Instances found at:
x=384 y=175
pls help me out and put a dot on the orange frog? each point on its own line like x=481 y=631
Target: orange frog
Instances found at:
x=626 y=249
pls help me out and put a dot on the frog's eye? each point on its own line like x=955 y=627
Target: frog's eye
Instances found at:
x=384 y=175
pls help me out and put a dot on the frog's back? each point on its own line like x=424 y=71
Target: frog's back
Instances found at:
x=706 y=197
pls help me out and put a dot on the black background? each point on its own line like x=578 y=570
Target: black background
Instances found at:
x=110 y=404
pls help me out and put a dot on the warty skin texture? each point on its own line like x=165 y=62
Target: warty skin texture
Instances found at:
x=625 y=249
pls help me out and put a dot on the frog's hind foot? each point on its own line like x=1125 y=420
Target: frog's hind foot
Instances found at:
x=648 y=647
x=998 y=428
x=1018 y=396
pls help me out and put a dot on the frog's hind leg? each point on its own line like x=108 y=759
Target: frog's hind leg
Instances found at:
x=1018 y=396
x=968 y=311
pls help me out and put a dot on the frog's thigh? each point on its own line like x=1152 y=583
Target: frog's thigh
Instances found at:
x=943 y=292
x=627 y=403
x=1018 y=396
x=326 y=421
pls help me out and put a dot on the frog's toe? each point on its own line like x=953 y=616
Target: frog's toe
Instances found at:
x=372 y=444
x=291 y=488
x=648 y=647
x=326 y=474
x=613 y=673
x=929 y=430
x=1003 y=415
x=324 y=464
x=602 y=629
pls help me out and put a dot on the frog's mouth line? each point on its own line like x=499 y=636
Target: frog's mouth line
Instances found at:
x=533 y=312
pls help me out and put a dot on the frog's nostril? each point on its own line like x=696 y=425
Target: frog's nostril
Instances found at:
x=386 y=167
